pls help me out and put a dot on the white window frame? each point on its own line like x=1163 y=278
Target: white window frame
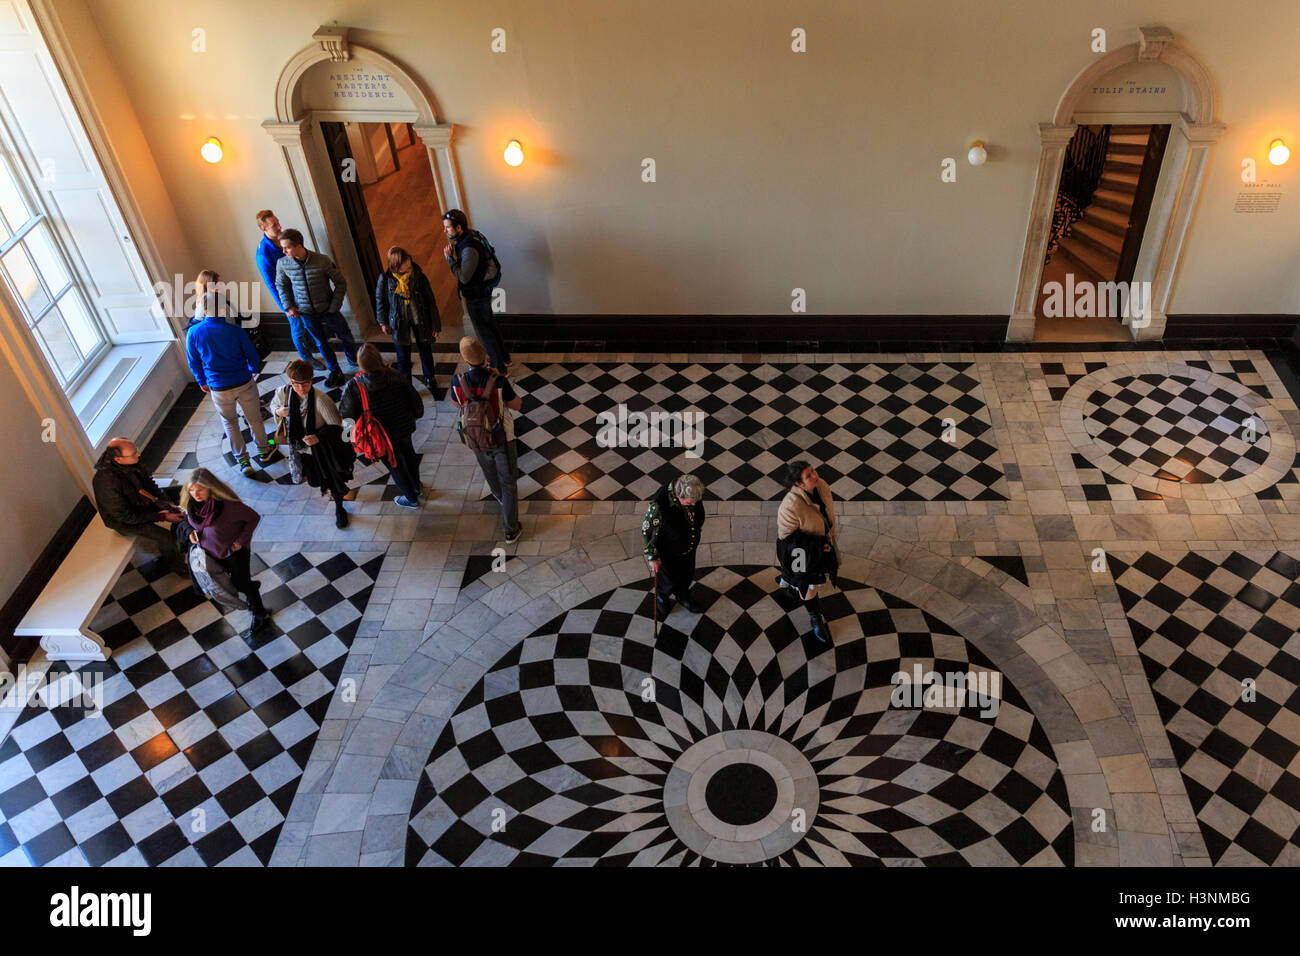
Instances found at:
x=40 y=219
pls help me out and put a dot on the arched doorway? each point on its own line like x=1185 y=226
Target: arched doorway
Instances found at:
x=333 y=81
x=1190 y=116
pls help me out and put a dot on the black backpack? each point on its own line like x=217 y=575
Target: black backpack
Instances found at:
x=479 y=285
x=261 y=342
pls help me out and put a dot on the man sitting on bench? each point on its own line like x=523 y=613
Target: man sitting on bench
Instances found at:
x=131 y=503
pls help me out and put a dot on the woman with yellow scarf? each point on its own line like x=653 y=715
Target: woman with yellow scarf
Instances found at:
x=405 y=305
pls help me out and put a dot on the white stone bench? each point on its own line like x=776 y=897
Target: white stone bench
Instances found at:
x=61 y=615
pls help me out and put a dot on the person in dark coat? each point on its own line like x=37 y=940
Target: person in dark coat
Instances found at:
x=671 y=529
x=405 y=305
x=317 y=451
x=119 y=481
x=805 y=544
x=223 y=526
x=396 y=405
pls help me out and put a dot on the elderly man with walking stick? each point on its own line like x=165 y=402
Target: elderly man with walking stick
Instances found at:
x=671 y=529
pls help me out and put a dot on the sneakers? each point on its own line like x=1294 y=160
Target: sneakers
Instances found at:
x=247 y=468
x=405 y=502
x=349 y=365
x=334 y=380
x=317 y=364
x=268 y=459
x=513 y=536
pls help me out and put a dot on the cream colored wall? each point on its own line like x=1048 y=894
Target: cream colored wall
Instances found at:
x=775 y=170
x=40 y=489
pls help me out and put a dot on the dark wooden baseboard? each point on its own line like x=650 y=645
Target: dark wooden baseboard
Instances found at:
x=1251 y=327
x=19 y=649
x=825 y=333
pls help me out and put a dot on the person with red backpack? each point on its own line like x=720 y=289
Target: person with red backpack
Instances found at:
x=485 y=400
x=379 y=407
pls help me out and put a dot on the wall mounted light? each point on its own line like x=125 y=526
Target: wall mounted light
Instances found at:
x=514 y=153
x=977 y=154
x=1278 y=152
x=211 y=150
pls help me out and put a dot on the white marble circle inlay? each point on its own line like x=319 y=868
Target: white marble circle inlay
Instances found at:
x=784 y=825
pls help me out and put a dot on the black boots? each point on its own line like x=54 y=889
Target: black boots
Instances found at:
x=340 y=516
x=820 y=629
x=261 y=616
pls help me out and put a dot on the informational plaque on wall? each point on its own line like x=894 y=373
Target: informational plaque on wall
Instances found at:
x=1259 y=198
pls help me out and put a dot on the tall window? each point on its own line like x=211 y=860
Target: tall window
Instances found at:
x=38 y=276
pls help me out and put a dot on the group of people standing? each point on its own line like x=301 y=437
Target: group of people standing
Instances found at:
x=375 y=418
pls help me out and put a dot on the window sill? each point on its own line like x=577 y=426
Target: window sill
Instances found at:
x=105 y=393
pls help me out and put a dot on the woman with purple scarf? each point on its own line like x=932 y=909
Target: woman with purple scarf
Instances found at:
x=222 y=525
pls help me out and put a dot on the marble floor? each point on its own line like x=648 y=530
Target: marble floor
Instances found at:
x=1107 y=537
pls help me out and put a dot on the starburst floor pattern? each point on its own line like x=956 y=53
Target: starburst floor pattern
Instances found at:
x=736 y=739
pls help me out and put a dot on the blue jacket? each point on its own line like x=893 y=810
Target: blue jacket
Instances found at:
x=221 y=355
x=268 y=254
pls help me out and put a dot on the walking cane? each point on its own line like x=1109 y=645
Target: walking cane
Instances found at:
x=654 y=599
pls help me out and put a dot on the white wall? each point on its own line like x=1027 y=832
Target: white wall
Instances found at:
x=40 y=489
x=775 y=169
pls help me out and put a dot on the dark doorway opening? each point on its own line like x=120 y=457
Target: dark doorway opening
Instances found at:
x=392 y=201
x=1102 y=204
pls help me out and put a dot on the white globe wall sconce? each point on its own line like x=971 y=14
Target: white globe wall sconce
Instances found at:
x=514 y=154
x=1278 y=153
x=211 y=150
x=977 y=155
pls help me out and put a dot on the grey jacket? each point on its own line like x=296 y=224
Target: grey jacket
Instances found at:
x=306 y=285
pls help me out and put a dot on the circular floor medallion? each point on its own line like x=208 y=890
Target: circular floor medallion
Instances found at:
x=1174 y=429
x=736 y=739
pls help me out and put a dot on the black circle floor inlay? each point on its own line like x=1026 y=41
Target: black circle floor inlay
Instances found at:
x=567 y=750
x=741 y=794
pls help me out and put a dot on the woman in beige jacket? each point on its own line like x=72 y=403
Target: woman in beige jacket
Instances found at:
x=805 y=544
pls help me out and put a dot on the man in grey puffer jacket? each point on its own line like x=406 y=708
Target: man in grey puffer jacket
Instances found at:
x=312 y=287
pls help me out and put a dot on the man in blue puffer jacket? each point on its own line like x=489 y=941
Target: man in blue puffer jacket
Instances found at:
x=267 y=255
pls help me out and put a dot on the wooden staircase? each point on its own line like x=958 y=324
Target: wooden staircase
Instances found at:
x=1092 y=249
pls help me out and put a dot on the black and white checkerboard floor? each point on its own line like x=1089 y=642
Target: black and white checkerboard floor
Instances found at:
x=203 y=736
x=1176 y=428
x=1061 y=375
x=877 y=432
x=1219 y=643
x=561 y=755
x=1099 y=486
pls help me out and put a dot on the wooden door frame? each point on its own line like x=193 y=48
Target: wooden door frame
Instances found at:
x=1192 y=134
x=297 y=132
